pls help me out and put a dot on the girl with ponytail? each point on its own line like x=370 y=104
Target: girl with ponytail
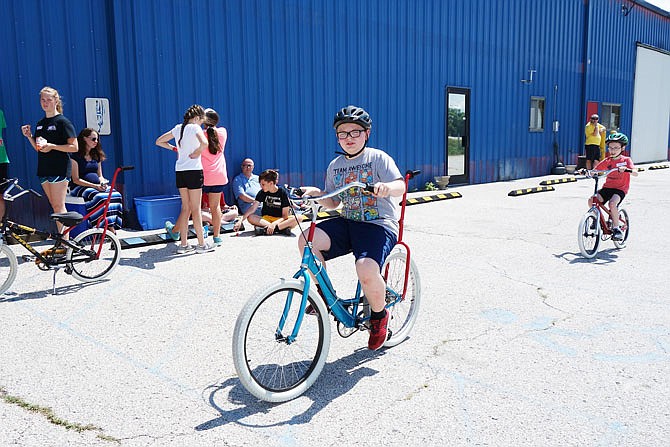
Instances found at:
x=214 y=169
x=191 y=141
x=54 y=139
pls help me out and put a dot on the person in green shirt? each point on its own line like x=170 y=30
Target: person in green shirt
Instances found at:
x=4 y=163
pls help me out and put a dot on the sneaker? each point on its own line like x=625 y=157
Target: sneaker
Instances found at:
x=204 y=248
x=617 y=234
x=286 y=231
x=185 y=249
x=260 y=231
x=168 y=227
x=217 y=241
x=378 y=332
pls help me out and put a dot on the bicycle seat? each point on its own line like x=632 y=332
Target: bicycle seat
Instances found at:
x=68 y=219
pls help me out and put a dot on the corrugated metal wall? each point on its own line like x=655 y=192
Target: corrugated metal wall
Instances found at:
x=63 y=44
x=612 y=50
x=278 y=70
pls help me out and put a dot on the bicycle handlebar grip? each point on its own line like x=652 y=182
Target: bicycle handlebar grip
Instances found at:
x=127 y=168
x=412 y=173
x=628 y=170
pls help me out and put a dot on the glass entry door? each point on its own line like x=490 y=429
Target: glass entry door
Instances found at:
x=457 y=159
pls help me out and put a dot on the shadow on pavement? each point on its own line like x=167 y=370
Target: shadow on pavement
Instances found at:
x=8 y=297
x=336 y=379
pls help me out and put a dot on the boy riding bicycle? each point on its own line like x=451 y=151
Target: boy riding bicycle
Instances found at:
x=368 y=225
x=617 y=183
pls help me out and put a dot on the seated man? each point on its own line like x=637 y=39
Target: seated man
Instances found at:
x=246 y=186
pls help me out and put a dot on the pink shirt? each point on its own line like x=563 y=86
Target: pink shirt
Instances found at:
x=214 y=165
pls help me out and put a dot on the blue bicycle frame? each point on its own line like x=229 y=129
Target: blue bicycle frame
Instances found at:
x=345 y=311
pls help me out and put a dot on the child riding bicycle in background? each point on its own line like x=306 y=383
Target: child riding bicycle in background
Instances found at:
x=617 y=183
x=368 y=225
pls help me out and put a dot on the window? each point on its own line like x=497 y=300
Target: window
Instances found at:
x=610 y=117
x=536 y=114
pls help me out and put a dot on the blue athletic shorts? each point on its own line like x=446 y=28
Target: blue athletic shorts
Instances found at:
x=54 y=179
x=363 y=239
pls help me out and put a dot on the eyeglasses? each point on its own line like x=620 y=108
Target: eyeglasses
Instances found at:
x=247 y=165
x=353 y=134
x=93 y=138
x=594 y=119
x=615 y=148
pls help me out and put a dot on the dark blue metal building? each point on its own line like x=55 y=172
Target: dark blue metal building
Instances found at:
x=484 y=90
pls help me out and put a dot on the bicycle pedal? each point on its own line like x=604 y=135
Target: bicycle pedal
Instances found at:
x=28 y=258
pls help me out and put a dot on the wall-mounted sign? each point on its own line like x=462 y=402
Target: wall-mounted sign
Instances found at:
x=97 y=115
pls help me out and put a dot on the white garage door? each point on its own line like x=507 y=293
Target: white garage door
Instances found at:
x=651 y=106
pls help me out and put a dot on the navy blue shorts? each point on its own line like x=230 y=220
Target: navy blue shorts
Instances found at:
x=363 y=239
x=212 y=189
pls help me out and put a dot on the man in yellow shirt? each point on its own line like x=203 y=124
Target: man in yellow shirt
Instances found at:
x=595 y=141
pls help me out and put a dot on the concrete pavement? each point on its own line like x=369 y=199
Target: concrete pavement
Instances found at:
x=519 y=340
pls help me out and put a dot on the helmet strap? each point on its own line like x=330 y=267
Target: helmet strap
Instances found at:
x=350 y=156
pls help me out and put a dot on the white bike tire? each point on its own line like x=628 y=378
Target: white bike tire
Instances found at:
x=11 y=264
x=589 y=252
x=240 y=335
x=403 y=315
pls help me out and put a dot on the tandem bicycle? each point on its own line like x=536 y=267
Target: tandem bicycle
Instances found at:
x=279 y=350
x=90 y=256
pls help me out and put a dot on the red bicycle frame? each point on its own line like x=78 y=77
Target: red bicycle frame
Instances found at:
x=105 y=205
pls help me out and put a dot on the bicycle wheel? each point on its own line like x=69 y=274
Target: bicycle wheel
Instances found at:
x=8 y=267
x=268 y=365
x=404 y=313
x=588 y=236
x=625 y=227
x=93 y=269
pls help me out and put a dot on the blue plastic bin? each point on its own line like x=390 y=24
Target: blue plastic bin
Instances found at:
x=153 y=211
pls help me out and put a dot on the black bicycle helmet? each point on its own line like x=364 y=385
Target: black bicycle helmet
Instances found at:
x=617 y=137
x=353 y=114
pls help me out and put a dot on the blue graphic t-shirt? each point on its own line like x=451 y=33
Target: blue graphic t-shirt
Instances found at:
x=371 y=166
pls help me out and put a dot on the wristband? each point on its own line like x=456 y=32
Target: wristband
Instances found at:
x=174 y=149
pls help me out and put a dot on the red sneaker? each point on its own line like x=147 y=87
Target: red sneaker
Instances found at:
x=378 y=332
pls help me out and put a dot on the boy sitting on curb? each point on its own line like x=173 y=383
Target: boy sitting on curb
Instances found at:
x=275 y=218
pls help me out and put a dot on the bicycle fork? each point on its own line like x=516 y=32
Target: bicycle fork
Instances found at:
x=279 y=337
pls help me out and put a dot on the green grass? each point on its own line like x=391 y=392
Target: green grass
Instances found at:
x=454 y=146
x=49 y=414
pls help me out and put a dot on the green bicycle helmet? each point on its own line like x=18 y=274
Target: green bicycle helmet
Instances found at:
x=617 y=137
x=353 y=114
